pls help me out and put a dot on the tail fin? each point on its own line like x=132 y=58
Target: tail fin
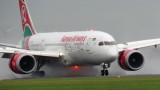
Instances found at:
x=27 y=24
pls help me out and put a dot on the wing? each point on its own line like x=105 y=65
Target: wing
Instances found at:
x=9 y=52
x=138 y=44
x=10 y=45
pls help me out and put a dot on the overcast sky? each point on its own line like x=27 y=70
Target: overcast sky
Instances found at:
x=126 y=20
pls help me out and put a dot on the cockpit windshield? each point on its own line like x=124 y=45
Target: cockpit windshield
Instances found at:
x=107 y=43
x=110 y=43
x=101 y=43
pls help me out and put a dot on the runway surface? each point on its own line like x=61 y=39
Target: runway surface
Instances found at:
x=112 y=76
x=140 y=82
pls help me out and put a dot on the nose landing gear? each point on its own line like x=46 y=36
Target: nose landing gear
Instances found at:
x=104 y=71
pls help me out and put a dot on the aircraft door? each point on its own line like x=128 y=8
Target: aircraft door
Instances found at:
x=91 y=42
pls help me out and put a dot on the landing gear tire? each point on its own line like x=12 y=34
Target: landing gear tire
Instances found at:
x=104 y=71
x=38 y=74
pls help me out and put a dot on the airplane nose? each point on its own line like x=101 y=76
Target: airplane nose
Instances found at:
x=113 y=54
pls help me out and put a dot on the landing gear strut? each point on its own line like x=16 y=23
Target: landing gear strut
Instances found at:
x=104 y=71
x=39 y=73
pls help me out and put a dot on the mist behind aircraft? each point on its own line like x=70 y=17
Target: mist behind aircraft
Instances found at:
x=125 y=20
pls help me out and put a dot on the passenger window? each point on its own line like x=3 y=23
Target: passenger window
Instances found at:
x=101 y=44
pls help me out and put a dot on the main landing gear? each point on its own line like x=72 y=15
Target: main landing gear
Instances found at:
x=39 y=73
x=104 y=71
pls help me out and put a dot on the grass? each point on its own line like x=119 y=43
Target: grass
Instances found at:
x=97 y=83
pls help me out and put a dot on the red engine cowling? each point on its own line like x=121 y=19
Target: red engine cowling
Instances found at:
x=23 y=63
x=131 y=60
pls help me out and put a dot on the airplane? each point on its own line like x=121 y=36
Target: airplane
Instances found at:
x=76 y=48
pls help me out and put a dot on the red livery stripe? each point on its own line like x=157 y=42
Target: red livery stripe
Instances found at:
x=27 y=42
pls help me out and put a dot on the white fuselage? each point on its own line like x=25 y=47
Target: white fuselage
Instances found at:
x=78 y=48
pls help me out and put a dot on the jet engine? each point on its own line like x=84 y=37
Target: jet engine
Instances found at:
x=131 y=60
x=23 y=63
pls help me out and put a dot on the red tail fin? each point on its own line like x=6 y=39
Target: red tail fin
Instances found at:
x=27 y=24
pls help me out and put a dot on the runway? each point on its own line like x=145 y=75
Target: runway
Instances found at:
x=140 y=82
x=83 y=77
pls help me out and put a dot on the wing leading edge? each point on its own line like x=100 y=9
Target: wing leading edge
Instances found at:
x=138 y=44
x=12 y=51
x=9 y=45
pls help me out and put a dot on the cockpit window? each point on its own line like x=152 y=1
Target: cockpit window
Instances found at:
x=107 y=43
x=111 y=43
x=101 y=44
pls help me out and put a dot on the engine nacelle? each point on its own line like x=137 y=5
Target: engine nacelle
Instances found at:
x=23 y=63
x=131 y=60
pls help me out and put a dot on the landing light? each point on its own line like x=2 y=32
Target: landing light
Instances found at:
x=60 y=54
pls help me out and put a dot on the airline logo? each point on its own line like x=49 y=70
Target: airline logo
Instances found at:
x=75 y=38
x=26 y=21
x=23 y=14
